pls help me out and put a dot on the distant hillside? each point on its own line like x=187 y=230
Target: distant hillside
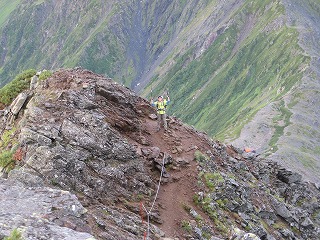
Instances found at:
x=115 y=38
x=246 y=72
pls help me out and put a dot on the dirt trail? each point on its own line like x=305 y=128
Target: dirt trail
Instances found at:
x=178 y=193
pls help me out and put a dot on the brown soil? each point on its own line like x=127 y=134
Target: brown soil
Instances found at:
x=177 y=194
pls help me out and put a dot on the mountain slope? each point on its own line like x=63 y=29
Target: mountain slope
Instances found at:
x=244 y=71
x=85 y=155
x=116 y=38
x=243 y=79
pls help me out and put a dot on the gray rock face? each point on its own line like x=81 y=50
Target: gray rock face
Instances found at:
x=34 y=81
x=71 y=138
x=83 y=152
x=18 y=103
x=258 y=190
x=41 y=213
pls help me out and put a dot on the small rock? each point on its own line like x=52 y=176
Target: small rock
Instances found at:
x=176 y=179
x=192 y=148
x=153 y=116
x=193 y=213
x=168 y=159
x=154 y=152
x=179 y=149
x=283 y=211
x=143 y=140
x=145 y=151
x=174 y=151
x=85 y=85
x=287 y=233
x=182 y=161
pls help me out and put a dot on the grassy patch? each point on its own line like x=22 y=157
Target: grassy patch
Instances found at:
x=200 y=157
x=186 y=226
x=279 y=225
x=14 y=235
x=213 y=179
x=6 y=160
x=44 y=75
x=222 y=203
x=6 y=137
x=7 y=6
x=280 y=123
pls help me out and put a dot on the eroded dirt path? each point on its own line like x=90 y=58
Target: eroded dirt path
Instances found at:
x=176 y=195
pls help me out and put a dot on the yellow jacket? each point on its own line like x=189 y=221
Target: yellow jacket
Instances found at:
x=161 y=106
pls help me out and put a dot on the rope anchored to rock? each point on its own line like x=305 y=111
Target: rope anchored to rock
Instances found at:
x=146 y=235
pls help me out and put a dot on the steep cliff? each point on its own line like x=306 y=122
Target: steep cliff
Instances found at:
x=85 y=157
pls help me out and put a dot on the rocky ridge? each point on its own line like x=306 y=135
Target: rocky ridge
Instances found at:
x=87 y=157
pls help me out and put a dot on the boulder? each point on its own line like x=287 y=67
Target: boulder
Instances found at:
x=288 y=176
x=307 y=223
x=33 y=82
x=282 y=210
x=18 y=103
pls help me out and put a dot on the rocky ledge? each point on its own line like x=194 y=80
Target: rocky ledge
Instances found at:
x=87 y=161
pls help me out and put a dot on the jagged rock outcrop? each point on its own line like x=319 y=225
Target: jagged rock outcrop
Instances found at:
x=261 y=193
x=89 y=161
x=41 y=213
x=70 y=140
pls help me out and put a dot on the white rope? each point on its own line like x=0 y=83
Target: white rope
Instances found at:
x=155 y=198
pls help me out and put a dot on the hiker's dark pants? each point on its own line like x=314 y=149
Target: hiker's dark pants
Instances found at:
x=163 y=118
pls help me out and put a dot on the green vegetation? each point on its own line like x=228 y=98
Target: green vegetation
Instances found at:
x=199 y=219
x=279 y=225
x=44 y=75
x=213 y=179
x=6 y=160
x=6 y=137
x=12 y=89
x=222 y=203
x=280 y=123
x=7 y=6
x=195 y=199
x=206 y=235
x=200 y=157
x=186 y=207
x=219 y=221
x=225 y=87
x=15 y=235
x=6 y=155
x=186 y=226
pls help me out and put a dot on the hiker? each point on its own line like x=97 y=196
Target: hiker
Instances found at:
x=161 y=105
